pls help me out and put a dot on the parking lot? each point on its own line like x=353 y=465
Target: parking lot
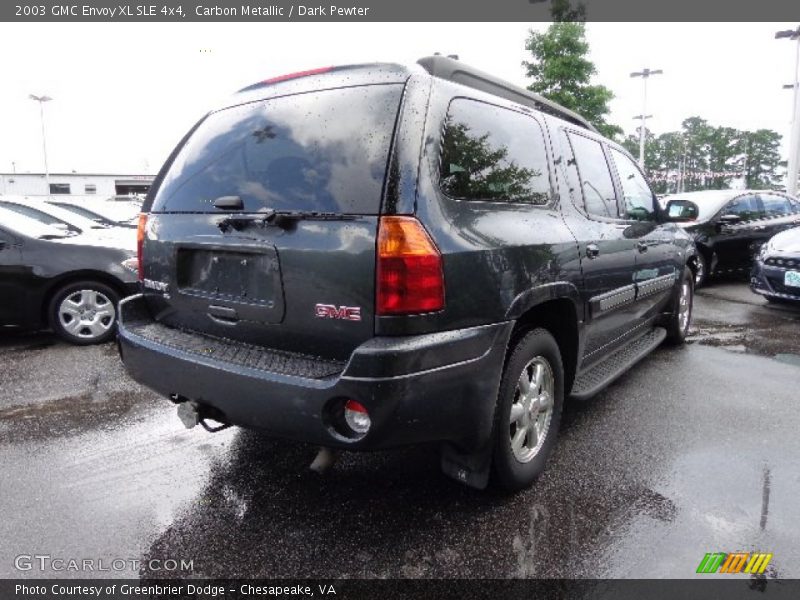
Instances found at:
x=694 y=451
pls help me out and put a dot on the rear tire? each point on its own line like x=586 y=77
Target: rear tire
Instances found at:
x=84 y=313
x=528 y=415
x=682 y=303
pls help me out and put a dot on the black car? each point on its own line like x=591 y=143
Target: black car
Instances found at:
x=53 y=277
x=776 y=272
x=729 y=226
x=370 y=256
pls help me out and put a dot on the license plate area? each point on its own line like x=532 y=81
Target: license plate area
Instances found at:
x=246 y=281
x=791 y=279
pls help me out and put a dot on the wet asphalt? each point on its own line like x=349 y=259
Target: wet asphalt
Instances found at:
x=694 y=451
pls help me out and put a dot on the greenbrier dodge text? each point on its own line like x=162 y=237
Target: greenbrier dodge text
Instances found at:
x=207 y=590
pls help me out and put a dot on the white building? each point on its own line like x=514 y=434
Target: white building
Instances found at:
x=75 y=184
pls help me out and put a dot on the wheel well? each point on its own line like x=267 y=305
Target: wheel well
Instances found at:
x=559 y=318
x=76 y=276
x=692 y=264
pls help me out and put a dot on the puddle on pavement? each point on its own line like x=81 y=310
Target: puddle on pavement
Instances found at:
x=770 y=342
x=67 y=416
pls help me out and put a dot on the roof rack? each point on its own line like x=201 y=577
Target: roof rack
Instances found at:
x=457 y=72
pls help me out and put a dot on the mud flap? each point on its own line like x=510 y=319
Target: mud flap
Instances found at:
x=471 y=469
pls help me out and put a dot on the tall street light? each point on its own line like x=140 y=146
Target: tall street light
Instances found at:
x=41 y=100
x=645 y=75
x=794 y=136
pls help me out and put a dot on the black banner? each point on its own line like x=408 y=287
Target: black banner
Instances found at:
x=731 y=588
x=388 y=10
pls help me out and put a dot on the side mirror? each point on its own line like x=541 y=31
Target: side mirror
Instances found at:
x=681 y=211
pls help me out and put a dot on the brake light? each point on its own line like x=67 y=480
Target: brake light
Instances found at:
x=286 y=77
x=409 y=268
x=297 y=75
x=140 y=243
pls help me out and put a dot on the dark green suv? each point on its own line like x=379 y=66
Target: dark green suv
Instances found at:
x=375 y=255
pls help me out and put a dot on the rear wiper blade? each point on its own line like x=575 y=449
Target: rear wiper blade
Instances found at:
x=280 y=218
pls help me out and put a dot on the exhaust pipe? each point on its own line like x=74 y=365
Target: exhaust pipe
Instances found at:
x=324 y=460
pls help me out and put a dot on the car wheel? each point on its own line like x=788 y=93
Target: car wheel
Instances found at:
x=701 y=270
x=84 y=312
x=681 y=315
x=529 y=410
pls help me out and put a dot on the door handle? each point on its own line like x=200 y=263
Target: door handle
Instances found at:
x=641 y=247
x=229 y=203
x=592 y=251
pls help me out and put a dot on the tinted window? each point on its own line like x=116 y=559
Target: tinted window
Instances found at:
x=638 y=197
x=776 y=206
x=323 y=151
x=492 y=153
x=598 y=188
x=746 y=207
x=37 y=215
x=80 y=211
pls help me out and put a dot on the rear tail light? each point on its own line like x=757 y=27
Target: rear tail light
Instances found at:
x=139 y=243
x=409 y=268
x=356 y=417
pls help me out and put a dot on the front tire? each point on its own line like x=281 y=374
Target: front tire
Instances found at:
x=528 y=416
x=681 y=316
x=84 y=312
x=701 y=270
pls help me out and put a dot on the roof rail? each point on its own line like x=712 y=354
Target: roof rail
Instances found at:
x=457 y=72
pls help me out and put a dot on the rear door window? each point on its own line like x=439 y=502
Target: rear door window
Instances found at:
x=493 y=154
x=747 y=208
x=597 y=185
x=776 y=206
x=322 y=151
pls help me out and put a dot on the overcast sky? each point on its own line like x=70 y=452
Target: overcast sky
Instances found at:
x=124 y=94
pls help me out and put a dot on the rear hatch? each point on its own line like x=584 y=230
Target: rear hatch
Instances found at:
x=262 y=229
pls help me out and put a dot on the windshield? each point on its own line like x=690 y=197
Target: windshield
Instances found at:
x=25 y=226
x=301 y=152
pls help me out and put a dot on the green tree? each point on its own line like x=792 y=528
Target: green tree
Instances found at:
x=562 y=72
x=473 y=168
x=761 y=158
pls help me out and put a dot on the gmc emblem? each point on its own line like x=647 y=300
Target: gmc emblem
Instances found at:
x=329 y=311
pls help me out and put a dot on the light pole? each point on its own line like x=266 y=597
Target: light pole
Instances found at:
x=41 y=100
x=794 y=136
x=645 y=75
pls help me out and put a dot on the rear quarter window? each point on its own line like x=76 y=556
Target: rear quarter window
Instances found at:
x=493 y=154
x=322 y=151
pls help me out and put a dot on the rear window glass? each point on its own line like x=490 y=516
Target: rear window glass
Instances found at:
x=323 y=151
x=493 y=154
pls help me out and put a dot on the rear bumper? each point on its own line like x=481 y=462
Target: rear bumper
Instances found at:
x=431 y=387
x=767 y=280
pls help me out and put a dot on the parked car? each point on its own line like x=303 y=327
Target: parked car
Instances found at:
x=53 y=215
x=776 y=272
x=729 y=226
x=101 y=211
x=370 y=256
x=68 y=281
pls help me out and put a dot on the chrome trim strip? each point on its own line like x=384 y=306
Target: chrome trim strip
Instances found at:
x=655 y=285
x=613 y=299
